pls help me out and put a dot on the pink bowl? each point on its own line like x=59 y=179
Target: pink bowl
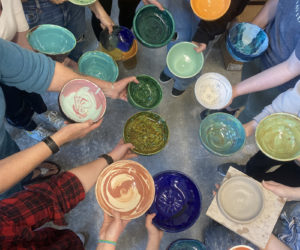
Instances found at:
x=81 y=100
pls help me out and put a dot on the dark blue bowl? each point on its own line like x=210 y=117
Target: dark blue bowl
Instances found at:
x=246 y=41
x=177 y=201
x=186 y=244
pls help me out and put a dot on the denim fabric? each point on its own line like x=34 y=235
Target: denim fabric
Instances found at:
x=186 y=23
x=67 y=15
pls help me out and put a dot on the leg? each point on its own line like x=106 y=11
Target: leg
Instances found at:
x=127 y=11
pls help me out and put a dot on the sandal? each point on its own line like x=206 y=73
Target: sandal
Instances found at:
x=46 y=170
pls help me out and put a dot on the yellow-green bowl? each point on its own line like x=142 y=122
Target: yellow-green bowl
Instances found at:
x=278 y=136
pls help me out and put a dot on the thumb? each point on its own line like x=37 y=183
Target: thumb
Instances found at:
x=149 y=218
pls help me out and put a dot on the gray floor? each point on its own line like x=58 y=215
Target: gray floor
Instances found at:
x=183 y=152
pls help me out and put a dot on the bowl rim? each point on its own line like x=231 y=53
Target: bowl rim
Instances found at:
x=234 y=247
x=82 y=4
x=98 y=53
x=185 y=239
x=197 y=188
x=140 y=39
x=166 y=126
x=33 y=29
x=134 y=103
x=136 y=163
x=173 y=48
x=208 y=148
x=90 y=82
x=256 y=135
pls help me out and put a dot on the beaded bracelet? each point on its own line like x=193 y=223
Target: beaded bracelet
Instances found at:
x=108 y=242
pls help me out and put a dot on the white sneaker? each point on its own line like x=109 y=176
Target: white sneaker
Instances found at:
x=39 y=133
x=55 y=119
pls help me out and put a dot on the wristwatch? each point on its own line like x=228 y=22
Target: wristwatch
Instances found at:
x=108 y=158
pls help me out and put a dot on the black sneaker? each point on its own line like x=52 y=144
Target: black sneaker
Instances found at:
x=163 y=77
x=176 y=92
x=223 y=168
x=207 y=112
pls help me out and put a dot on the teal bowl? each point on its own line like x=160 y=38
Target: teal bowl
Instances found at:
x=146 y=95
x=52 y=40
x=222 y=134
x=183 y=61
x=152 y=27
x=98 y=64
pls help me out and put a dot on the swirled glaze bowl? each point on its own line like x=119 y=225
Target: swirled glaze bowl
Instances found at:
x=81 y=100
x=147 y=131
x=278 y=136
x=126 y=187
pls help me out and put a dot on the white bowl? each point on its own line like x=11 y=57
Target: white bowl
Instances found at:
x=213 y=90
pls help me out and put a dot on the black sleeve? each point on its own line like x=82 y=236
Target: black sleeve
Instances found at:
x=207 y=30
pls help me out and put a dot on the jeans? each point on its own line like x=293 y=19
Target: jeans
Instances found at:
x=67 y=15
x=186 y=23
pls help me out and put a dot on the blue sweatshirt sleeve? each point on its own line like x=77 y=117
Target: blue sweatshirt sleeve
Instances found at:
x=24 y=69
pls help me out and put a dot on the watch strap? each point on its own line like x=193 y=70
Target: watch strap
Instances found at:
x=51 y=144
x=108 y=158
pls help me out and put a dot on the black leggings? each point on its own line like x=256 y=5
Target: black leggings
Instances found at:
x=288 y=173
x=126 y=15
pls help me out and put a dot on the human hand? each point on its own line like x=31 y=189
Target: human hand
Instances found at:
x=154 y=234
x=200 y=47
x=234 y=95
x=58 y=1
x=289 y=193
x=250 y=127
x=154 y=2
x=122 y=151
x=106 y=23
x=217 y=188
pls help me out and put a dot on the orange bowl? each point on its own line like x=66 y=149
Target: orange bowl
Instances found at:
x=210 y=10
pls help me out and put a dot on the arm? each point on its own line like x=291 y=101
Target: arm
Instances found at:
x=275 y=244
x=266 y=14
x=154 y=235
x=101 y=14
x=154 y=2
x=289 y=193
x=20 y=38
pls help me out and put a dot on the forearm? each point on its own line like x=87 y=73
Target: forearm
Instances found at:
x=20 y=38
x=266 y=14
x=98 y=10
x=105 y=246
x=153 y=244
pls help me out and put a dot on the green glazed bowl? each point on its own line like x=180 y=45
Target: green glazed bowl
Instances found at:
x=147 y=131
x=98 y=64
x=183 y=61
x=52 y=40
x=152 y=27
x=82 y=2
x=278 y=136
x=145 y=95
x=222 y=134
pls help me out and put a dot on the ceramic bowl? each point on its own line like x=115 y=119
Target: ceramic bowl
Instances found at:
x=222 y=134
x=145 y=95
x=147 y=131
x=278 y=136
x=81 y=100
x=210 y=10
x=183 y=61
x=186 y=244
x=132 y=52
x=177 y=202
x=82 y=2
x=126 y=187
x=241 y=247
x=98 y=64
x=246 y=41
x=52 y=40
x=240 y=199
x=213 y=91
x=152 y=27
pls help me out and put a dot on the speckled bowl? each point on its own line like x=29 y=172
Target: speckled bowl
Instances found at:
x=186 y=244
x=52 y=40
x=278 y=136
x=81 y=100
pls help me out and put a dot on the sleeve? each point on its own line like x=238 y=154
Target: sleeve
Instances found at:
x=207 y=30
x=25 y=69
x=22 y=24
x=287 y=102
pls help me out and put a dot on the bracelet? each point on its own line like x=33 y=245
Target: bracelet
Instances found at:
x=51 y=144
x=108 y=242
x=108 y=158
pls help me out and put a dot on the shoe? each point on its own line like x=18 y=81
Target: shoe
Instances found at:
x=83 y=236
x=174 y=37
x=55 y=119
x=31 y=125
x=223 y=168
x=207 y=112
x=163 y=77
x=176 y=92
x=39 y=133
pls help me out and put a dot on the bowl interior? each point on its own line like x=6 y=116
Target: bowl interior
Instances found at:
x=126 y=187
x=183 y=61
x=186 y=244
x=210 y=9
x=153 y=27
x=145 y=95
x=82 y=2
x=51 y=39
x=177 y=201
x=147 y=131
x=213 y=90
x=81 y=100
x=222 y=134
x=278 y=136
x=98 y=64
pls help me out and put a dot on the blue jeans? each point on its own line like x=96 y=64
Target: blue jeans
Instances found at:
x=186 y=23
x=67 y=15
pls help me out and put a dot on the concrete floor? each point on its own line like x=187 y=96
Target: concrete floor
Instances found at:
x=183 y=152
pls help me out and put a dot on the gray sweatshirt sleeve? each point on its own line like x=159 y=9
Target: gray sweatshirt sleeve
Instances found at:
x=287 y=102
